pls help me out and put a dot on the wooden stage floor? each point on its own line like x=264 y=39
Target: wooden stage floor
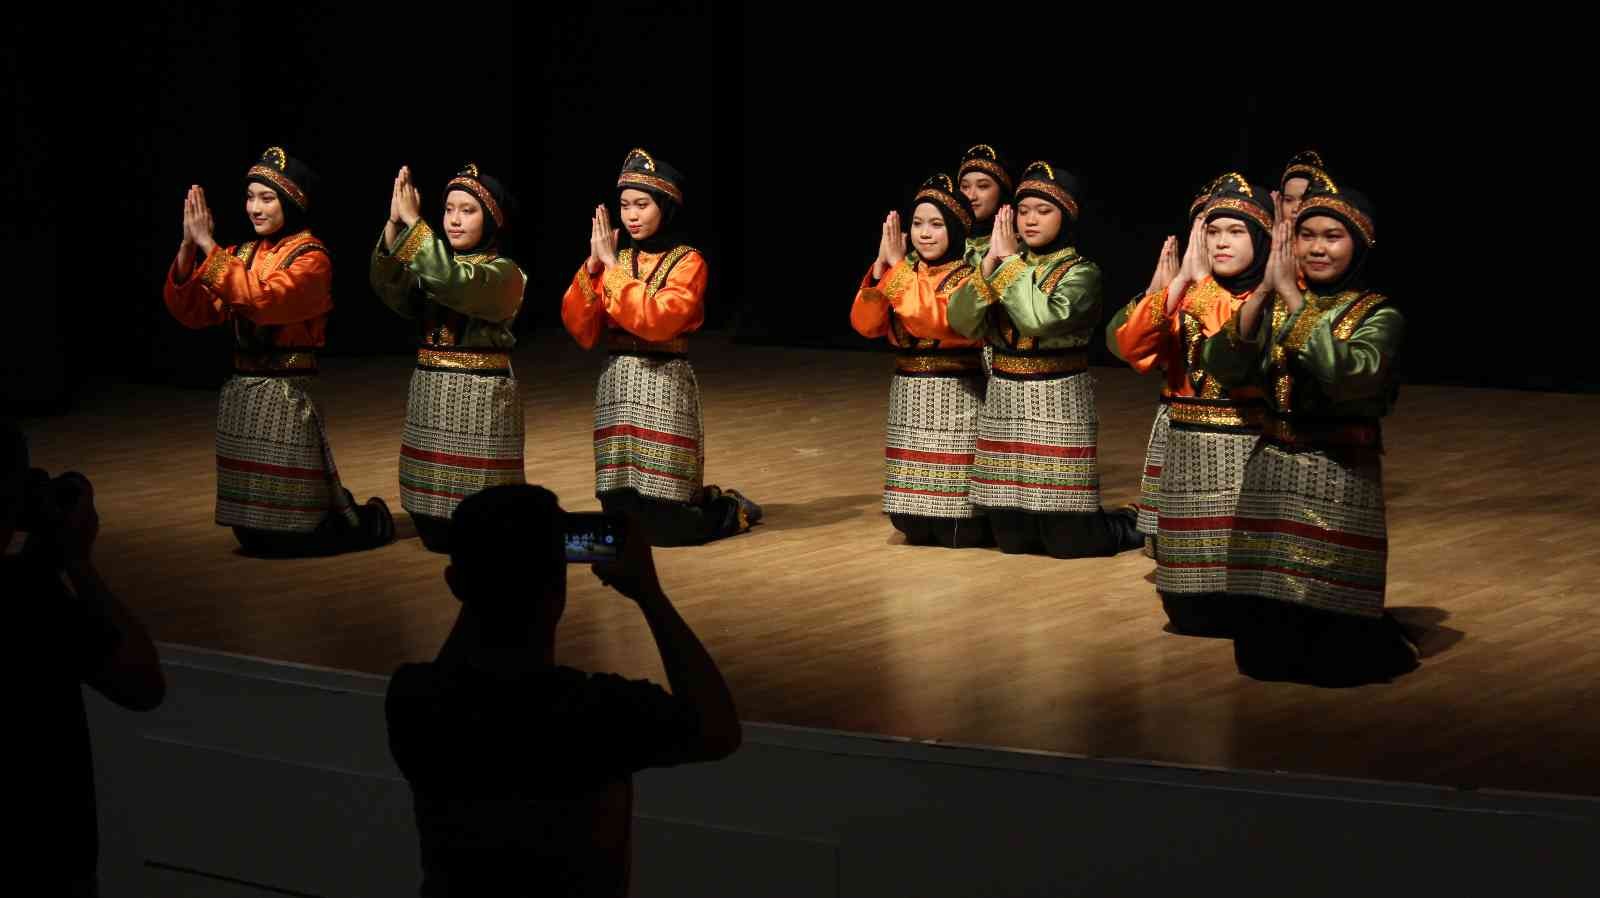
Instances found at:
x=823 y=618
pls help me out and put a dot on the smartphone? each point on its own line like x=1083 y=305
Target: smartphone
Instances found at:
x=592 y=536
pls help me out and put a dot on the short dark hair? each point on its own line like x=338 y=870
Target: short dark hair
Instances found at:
x=507 y=537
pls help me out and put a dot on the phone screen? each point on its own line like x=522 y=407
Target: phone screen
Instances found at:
x=593 y=536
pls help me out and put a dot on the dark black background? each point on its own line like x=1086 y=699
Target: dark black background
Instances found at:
x=798 y=130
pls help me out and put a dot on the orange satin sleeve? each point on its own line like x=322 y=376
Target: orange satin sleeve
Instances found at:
x=1148 y=339
x=869 y=314
x=581 y=310
x=915 y=297
x=677 y=308
x=189 y=301
x=301 y=292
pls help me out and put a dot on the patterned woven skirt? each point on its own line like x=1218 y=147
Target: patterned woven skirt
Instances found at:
x=1155 y=455
x=1199 y=500
x=1036 y=445
x=275 y=470
x=1310 y=529
x=464 y=434
x=648 y=434
x=932 y=426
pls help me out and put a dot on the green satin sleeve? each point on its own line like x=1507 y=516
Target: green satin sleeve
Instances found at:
x=394 y=285
x=488 y=289
x=1233 y=359
x=968 y=309
x=1066 y=316
x=1353 y=375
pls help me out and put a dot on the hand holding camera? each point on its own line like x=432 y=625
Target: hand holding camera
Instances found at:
x=59 y=516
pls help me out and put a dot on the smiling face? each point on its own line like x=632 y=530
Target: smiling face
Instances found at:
x=641 y=215
x=261 y=203
x=928 y=232
x=1229 y=245
x=1325 y=248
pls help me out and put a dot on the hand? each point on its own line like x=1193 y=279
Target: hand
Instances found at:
x=603 y=239
x=1283 y=269
x=76 y=525
x=1166 y=266
x=633 y=574
x=394 y=199
x=1004 y=241
x=188 y=219
x=1197 y=261
x=409 y=203
x=894 y=241
x=200 y=223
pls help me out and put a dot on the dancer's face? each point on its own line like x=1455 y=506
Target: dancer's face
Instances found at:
x=265 y=210
x=1228 y=242
x=982 y=192
x=640 y=214
x=1324 y=247
x=928 y=233
x=1294 y=190
x=463 y=220
x=1039 y=221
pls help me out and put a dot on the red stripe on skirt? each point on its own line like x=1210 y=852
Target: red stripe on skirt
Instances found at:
x=1031 y=486
x=1274 y=525
x=654 y=436
x=1036 y=449
x=938 y=458
x=461 y=461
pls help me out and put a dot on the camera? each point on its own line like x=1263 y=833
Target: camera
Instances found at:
x=593 y=536
x=44 y=497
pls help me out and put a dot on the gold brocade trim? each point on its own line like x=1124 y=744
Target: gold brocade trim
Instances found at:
x=899 y=279
x=1313 y=311
x=586 y=284
x=945 y=198
x=1041 y=261
x=640 y=179
x=1356 y=434
x=481 y=193
x=624 y=342
x=1282 y=383
x=216 y=264
x=1048 y=285
x=1209 y=415
x=413 y=243
x=954 y=274
x=1234 y=204
x=959 y=363
x=1357 y=312
x=251 y=362
x=988 y=167
x=1337 y=204
x=1013 y=268
x=627 y=265
x=1055 y=363
x=617 y=278
x=464 y=361
x=1054 y=193
x=873 y=294
x=1156 y=314
x=280 y=181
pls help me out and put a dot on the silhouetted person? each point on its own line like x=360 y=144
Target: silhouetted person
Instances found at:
x=521 y=769
x=67 y=629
